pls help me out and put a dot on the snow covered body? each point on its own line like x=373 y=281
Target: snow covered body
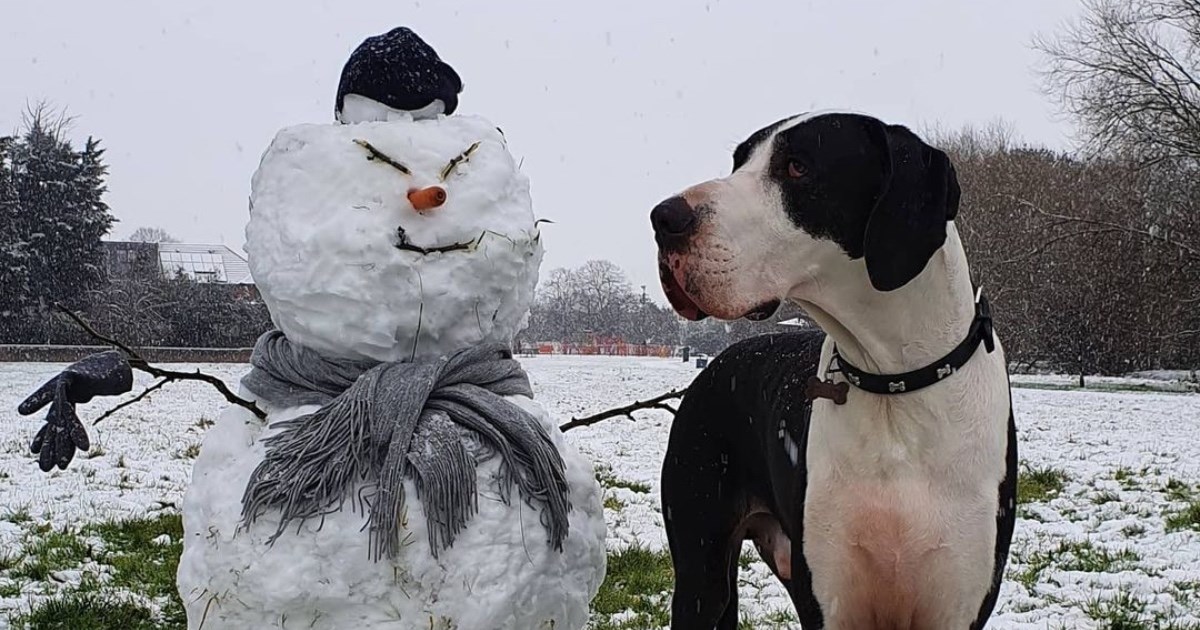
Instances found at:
x=323 y=243
x=500 y=573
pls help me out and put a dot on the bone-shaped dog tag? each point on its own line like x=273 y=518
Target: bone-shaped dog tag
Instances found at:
x=816 y=388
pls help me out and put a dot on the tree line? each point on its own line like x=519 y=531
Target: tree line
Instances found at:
x=52 y=220
x=1094 y=256
x=1091 y=257
x=1084 y=259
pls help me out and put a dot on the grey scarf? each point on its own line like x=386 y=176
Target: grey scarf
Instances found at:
x=384 y=422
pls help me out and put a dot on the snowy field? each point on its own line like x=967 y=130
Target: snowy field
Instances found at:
x=1107 y=536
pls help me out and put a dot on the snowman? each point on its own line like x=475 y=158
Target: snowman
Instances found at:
x=403 y=476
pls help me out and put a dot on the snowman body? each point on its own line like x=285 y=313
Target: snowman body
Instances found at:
x=350 y=269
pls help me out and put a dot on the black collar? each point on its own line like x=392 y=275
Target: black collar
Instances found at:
x=980 y=332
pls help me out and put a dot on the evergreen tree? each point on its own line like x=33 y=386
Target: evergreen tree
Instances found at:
x=52 y=217
x=14 y=250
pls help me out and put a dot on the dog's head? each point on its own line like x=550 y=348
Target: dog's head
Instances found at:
x=810 y=199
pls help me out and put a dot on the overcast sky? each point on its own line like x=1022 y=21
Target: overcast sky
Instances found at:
x=612 y=104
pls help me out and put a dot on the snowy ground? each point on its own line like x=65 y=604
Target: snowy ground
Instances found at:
x=1109 y=542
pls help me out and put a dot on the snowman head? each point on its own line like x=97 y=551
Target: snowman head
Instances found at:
x=393 y=240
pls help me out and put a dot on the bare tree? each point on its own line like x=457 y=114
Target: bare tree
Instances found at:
x=1085 y=260
x=1129 y=73
x=152 y=235
x=597 y=300
x=604 y=296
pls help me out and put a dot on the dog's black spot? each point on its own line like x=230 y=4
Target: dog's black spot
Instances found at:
x=841 y=176
x=876 y=190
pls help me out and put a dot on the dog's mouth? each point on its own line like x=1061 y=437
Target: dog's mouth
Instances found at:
x=679 y=299
x=687 y=307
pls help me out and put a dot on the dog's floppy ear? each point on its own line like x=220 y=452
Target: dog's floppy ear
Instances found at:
x=918 y=196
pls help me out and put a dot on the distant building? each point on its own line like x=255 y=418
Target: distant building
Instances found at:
x=202 y=263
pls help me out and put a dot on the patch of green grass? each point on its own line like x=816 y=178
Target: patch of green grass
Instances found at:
x=1086 y=557
x=1187 y=518
x=778 y=619
x=17 y=515
x=1186 y=592
x=47 y=552
x=139 y=563
x=9 y=559
x=10 y=589
x=640 y=581
x=782 y=616
x=1073 y=556
x=746 y=559
x=1039 y=484
x=607 y=479
x=613 y=504
x=191 y=452
x=1123 y=612
x=1031 y=574
x=1128 y=478
x=88 y=611
x=1177 y=490
x=1105 y=497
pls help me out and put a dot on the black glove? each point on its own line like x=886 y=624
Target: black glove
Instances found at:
x=103 y=374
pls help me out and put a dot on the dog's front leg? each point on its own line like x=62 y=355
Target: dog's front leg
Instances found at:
x=701 y=513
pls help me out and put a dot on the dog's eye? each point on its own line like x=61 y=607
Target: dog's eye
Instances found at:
x=796 y=170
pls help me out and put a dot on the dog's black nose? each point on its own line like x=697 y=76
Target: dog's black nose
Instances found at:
x=673 y=220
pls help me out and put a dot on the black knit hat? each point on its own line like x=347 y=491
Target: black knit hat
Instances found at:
x=401 y=71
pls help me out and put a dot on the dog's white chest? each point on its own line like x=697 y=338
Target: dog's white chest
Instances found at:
x=901 y=504
x=889 y=549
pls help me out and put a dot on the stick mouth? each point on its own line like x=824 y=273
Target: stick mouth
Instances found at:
x=404 y=244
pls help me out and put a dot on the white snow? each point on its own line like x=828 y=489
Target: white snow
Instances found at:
x=1090 y=436
x=322 y=238
x=357 y=108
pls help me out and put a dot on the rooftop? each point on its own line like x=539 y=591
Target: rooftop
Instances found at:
x=210 y=263
x=198 y=261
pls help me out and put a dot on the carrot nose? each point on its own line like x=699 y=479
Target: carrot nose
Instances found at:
x=425 y=199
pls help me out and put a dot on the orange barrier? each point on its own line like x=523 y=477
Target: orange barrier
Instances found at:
x=599 y=347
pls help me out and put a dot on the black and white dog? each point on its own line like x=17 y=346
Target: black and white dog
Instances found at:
x=874 y=464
